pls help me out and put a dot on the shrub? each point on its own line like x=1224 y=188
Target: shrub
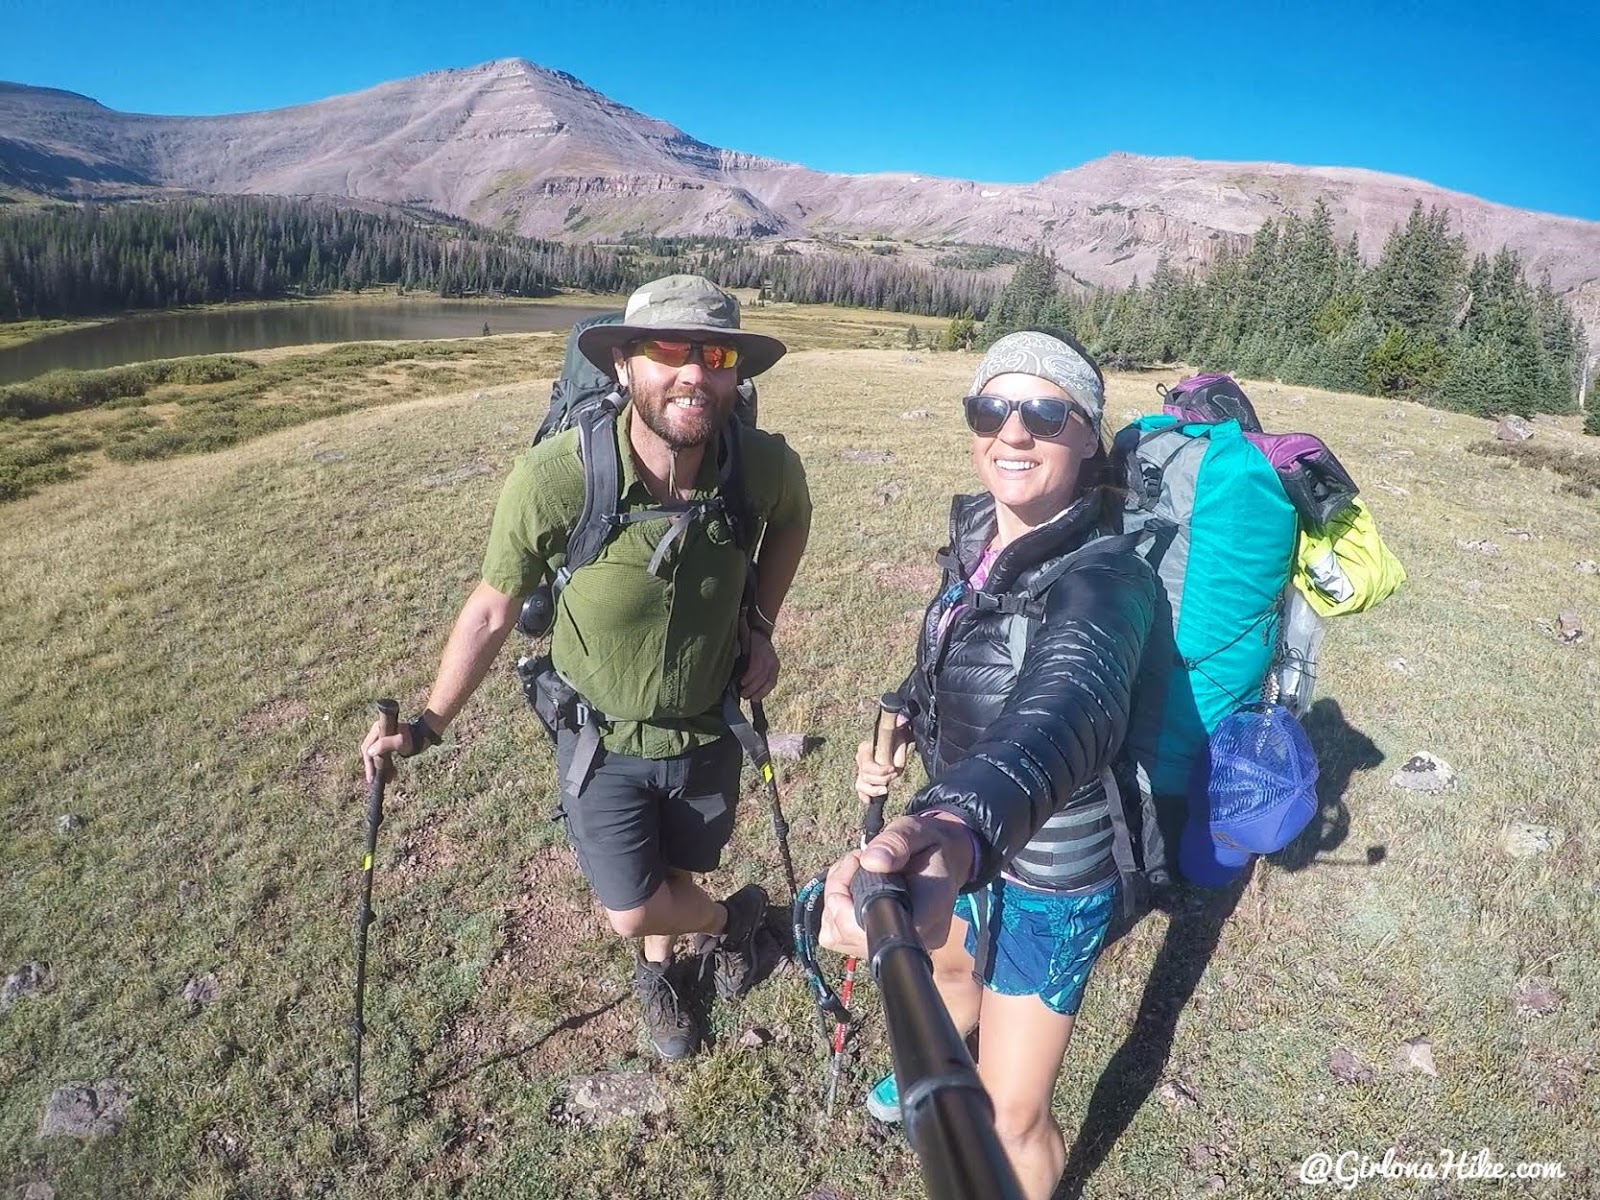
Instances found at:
x=69 y=391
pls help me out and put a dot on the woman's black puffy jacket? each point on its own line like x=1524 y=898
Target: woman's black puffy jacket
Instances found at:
x=1008 y=750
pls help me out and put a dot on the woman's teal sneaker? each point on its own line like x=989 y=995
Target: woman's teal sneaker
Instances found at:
x=883 y=1101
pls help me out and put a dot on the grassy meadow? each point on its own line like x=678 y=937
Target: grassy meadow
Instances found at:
x=188 y=660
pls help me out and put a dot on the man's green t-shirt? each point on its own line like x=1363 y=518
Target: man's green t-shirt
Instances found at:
x=653 y=652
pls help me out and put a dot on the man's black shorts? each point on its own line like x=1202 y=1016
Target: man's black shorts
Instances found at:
x=638 y=816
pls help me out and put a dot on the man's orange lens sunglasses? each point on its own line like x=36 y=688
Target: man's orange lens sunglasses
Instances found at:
x=714 y=356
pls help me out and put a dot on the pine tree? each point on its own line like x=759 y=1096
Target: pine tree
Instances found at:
x=961 y=333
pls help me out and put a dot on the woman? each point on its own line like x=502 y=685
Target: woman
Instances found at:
x=1019 y=700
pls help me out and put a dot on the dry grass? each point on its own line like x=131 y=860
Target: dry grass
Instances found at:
x=188 y=663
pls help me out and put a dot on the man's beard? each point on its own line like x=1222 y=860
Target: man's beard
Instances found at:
x=680 y=428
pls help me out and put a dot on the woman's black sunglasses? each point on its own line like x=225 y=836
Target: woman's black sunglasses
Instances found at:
x=1043 y=416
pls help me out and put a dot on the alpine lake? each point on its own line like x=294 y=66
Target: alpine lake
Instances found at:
x=224 y=330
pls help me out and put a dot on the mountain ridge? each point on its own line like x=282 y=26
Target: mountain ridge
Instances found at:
x=518 y=146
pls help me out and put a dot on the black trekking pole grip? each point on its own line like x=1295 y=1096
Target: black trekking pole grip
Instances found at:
x=389 y=716
x=890 y=706
x=949 y=1118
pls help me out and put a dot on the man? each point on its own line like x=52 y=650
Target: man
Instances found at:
x=649 y=632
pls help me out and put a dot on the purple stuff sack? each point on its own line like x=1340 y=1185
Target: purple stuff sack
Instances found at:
x=1316 y=482
x=1209 y=400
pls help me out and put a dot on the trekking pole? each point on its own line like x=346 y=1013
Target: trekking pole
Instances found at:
x=890 y=706
x=389 y=714
x=763 y=762
x=949 y=1118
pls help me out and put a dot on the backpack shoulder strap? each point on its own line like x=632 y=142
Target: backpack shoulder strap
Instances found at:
x=602 y=485
x=1028 y=613
x=731 y=487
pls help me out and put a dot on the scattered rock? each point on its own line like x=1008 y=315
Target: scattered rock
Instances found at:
x=477 y=396
x=1487 y=549
x=459 y=475
x=26 y=982
x=1415 y=1054
x=328 y=456
x=1177 y=1095
x=790 y=747
x=1296 y=401
x=610 y=1096
x=214 y=1143
x=1394 y=489
x=1345 y=1066
x=1216 y=1183
x=1587 y=567
x=85 y=1110
x=200 y=990
x=916 y=414
x=1436 y=420
x=1536 y=996
x=754 y=1039
x=1402 y=666
x=1569 y=629
x=823 y=1193
x=188 y=892
x=38 y=1191
x=869 y=456
x=70 y=823
x=1199 y=1158
x=1424 y=772
x=1395 y=414
x=1524 y=535
x=887 y=493
x=1514 y=429
x=1563 y=1083
x=1522 y=840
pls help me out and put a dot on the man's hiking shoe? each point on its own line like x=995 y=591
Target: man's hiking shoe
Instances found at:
x=668 y=1021
x=734 y=959
x=883 y=1101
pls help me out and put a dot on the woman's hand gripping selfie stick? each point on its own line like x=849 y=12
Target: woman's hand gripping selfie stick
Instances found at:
x=890 y=708
x=949 y=1118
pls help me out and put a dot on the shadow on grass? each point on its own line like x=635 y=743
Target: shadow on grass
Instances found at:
x=1342 y=750
x=576 y=1021
x=1193 y=933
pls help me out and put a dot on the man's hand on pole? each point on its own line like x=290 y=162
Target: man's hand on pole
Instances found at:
x=761 y=668
x=378 y=750
x=933 y=852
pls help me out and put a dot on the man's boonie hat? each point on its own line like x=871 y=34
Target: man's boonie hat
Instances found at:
x=684 y=308
x=1253 y=791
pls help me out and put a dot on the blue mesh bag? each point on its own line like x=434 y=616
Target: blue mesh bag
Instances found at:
x=1252 y=792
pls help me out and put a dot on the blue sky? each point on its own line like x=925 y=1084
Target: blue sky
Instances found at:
x=1498 y=99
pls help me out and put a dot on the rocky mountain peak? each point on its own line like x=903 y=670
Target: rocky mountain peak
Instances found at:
x=515 y=145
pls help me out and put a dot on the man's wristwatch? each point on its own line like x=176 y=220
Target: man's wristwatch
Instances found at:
x=423 y=736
